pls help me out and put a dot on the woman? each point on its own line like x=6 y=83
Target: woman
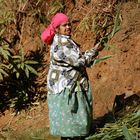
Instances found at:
x=69 y=94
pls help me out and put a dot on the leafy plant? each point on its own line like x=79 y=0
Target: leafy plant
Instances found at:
x=102 y=24
x=6 y=14
x=4 y=52
x=30 y=134
x=126 y=127
x=117 y=20
x=109 y=29
x=20 y=64
x=39 y=134
x=84 y=24
x=3 y=71
x=56 y=6
x=4 y=57
x=127 y=134
x=105 y=25
x=97 y=60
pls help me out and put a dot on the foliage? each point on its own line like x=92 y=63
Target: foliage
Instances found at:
x=56 y=6
x=117 y=20
x=85 y=24
x=3 y=72
x=15 y=71
x=15 y=64
x=125 y=127
x=28 y=134
x=20 y=64
x=4 y=54
x=107 y=27
x=97 y=60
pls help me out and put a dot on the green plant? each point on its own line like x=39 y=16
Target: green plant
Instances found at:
x=56 y=6
x=85 y=24
x=4 y=52
x=117 y=21
x=106 y=25
x=20 y=64
x=39 y=134
x=97 y=60
x=4 y=57
x=6 y=14
x=28 y=134
x=126 y=127
x=3 y=71
x=19 y=81
x=127 y=134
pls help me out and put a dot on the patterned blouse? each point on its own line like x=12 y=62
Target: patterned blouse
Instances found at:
x=68 y=65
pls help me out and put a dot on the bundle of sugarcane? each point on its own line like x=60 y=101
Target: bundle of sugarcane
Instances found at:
x=126 y=127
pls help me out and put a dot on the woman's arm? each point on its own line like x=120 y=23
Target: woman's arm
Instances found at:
x=69 y=54
x=92 y=53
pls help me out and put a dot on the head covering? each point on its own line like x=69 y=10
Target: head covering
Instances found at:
x=48 y=34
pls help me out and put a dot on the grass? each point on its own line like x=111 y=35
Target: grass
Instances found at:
x=125 y=127
x=29 y=134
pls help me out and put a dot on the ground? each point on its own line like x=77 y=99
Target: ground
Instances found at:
x=114 y=76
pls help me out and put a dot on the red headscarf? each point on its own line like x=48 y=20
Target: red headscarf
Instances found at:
x=48 y=34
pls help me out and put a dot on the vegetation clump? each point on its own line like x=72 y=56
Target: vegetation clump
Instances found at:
x=125 y=127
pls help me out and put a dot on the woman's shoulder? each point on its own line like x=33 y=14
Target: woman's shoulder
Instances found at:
x=61 y=40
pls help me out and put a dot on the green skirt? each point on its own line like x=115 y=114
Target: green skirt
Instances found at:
x=70 y=114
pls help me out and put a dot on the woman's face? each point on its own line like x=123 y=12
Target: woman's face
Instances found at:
x=65 y=29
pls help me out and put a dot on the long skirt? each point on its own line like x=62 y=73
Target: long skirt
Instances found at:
x=70 y=114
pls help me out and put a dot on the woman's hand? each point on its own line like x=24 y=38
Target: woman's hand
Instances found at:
x=99 y=47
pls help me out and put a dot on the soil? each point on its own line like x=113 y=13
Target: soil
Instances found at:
x=114 y=76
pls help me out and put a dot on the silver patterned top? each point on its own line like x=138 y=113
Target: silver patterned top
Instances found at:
x=68 y=65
